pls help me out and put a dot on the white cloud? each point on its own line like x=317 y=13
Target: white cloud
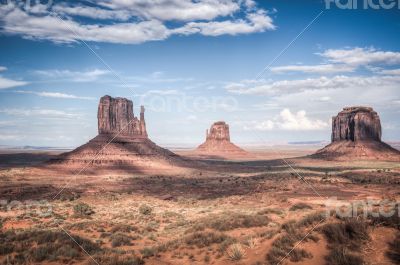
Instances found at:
x=286 y=120
x=147 y=23
x=175 y=9
x=3 y=68
x=73 y=76
x=361 y=56
x=92 y=12
x=54 y=95
x=314 y=69
x=390 y=72
x=255 y=22
x=8 y=83
x=42 y=113
x=251 y=87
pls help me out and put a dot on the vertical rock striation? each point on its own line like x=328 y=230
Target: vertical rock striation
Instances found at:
x=115 y=116
x=356 y=124
x=356 y=134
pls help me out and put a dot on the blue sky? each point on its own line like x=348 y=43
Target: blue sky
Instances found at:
x=192 y=63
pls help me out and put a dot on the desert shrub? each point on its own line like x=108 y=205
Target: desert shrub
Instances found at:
x=225 y=244
x=44 y=245
x=270 y=211
x=148 y=252
x=341 y=256
x=204 y=239
x=145 y=209
x=119 y=239
x=394 y=250
x=351 y=233
x=229 y=221
x=297 y=255
x=312 y=218
x=390 y=221
x=284 y=246
x=123 y=228
x=235 y=252
x=83 y=210
x=300 y=206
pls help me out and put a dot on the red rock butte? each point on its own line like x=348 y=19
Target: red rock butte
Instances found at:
x=356 y=134
x=122 y=142
x=218 y=142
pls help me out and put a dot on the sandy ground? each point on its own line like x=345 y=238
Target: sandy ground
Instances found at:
x=212 y=200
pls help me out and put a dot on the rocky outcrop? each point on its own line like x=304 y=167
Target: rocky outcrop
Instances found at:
x=356 y=124
x=356 y=134
x=115 y=116
x=122 y=143
x=218 y=142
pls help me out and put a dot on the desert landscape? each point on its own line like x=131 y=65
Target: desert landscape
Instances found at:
x=199 y=132
x=121 y=199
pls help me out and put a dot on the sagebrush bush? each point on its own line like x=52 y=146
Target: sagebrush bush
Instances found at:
x=83 y=209
x=236 y=252
x=300 y=206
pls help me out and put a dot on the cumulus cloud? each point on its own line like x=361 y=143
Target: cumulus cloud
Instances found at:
x=134 y=22
x=287 y=120
x=53 y=95
x=361 y=56
x=73 y=76
x=256 y=22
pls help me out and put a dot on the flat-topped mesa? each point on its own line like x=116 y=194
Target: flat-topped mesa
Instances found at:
x=218 y=131
x=115 y=116
x=356 y=124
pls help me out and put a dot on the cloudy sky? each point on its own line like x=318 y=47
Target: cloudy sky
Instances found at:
x=276 y=71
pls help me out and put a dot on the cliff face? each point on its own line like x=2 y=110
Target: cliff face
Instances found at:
x=218 y=131
x=115 y=116
x=356 y=124
x=356 y=135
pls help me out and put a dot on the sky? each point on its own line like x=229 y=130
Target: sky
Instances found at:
x=275 y=71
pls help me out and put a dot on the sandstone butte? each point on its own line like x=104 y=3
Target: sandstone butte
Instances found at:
x=218 y=142
x=356 y=133
x=122 y=141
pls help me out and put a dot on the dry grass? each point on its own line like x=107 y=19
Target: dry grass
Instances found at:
x=300 y=206
x=229 y=221
x=236 y=252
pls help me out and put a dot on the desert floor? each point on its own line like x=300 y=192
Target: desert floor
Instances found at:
x=270 y=210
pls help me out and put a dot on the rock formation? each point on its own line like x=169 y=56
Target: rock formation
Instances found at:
x=115 y=116
x=356 y=134
x=122 y=142
x=356 y=124
x=218 y=142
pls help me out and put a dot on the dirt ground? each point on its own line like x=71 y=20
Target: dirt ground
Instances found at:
x=223 y=212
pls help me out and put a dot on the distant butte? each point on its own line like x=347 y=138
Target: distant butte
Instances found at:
x=356 y=134
x=218 y=142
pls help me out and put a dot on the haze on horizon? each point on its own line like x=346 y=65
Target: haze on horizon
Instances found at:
x=194 y=67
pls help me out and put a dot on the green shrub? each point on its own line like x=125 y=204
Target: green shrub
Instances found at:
x=119 y=239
